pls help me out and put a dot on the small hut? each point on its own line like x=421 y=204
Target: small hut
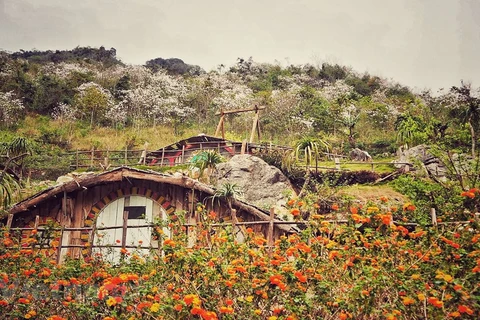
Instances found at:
x=180 y=151
x=110 y=211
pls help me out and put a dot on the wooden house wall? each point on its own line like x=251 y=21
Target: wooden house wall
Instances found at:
x=79 y=203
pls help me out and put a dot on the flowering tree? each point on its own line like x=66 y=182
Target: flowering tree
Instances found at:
x=159 y=98
x=10 y=108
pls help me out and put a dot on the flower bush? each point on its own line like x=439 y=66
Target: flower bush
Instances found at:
x=368 y=268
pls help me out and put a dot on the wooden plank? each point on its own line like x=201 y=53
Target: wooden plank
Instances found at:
x=240 y=110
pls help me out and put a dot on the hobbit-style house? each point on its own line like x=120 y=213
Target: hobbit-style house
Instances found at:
x=113 y=211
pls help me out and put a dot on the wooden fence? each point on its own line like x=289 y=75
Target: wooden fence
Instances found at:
x=271 y=222
x=103 y=159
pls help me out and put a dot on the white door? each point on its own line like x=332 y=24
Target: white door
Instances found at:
x=141 y=211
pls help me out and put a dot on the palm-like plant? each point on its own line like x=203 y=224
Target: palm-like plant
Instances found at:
x=206 y=161
x=309 y=148
x=229 y=192
x=11 y=153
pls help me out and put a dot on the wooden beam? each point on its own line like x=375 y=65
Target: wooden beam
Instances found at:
x=240 y=110
x=255 y=127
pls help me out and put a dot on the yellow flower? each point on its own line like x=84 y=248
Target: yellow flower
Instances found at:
x=111 y=301
x=155 y=307
x=415 y=276
x=249 y=298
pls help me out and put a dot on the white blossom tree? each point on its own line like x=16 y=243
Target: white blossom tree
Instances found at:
x=10 y=108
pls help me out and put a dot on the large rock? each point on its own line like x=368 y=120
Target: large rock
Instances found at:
x=263 y=185
x=360 y=155
x=420 y=155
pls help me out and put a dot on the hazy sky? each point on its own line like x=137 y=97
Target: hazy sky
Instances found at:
x=420 y=43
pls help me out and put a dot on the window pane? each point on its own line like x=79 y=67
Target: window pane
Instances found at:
x=136 y=212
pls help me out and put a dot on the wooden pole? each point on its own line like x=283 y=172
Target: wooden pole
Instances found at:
x=92 y=157
x=64 y=203
x=59 y=248
x=183 y=154
x=254 y=127
x=145 y=154
x=244 y=147
x=124 y=229
x=126 y=156
x=9 y=221
x=220 y=123
x=434 y=217
x=37 y=222
x=163 y=155
x=270 y=227
x=76 y=160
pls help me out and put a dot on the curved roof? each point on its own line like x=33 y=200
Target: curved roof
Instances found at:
x=121 y=173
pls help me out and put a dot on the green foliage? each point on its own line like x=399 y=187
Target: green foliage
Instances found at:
x=426 y=194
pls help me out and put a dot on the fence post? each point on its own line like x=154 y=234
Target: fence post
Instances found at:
x=434 y=217
x=183 y=154
x=124 y=229
x=145 y=150
x=126 y=155
x=244 y=147
x=59 y=248
x=337 y=163
x=163 y=155
x=270 y=227
x=9 y=221
x=92 y=157
x=37 y=222
x=76 y=160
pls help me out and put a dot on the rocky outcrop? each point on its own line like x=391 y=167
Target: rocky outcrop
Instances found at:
x=263 y=185
x=419 y=157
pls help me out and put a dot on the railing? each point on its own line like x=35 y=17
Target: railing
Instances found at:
x=271 y=222
x=104 y=159
x=96 y=158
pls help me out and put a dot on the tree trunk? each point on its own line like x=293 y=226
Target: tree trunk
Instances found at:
x=472 y=133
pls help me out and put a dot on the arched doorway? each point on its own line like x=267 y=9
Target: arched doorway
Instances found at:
x=126 y=223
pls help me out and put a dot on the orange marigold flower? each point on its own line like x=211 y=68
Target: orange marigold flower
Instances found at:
x=408 y=301
x=299 y=275
x=226 y=310
x=435 y=302
x=178 y=307
x=343 y=316
x=295 y=212
x=291 y=202
x=465 y=309
x=335 y=207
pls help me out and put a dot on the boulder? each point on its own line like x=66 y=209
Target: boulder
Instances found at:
x=360 y=155
x=262 y=184
x=420 y=155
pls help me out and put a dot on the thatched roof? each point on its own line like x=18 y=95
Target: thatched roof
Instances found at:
x=121 y=173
